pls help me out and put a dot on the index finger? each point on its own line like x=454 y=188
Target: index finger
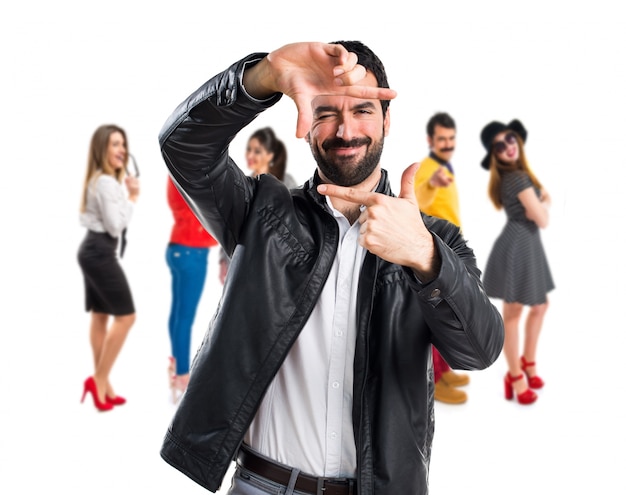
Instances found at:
x=370 y=92
x=356 y=196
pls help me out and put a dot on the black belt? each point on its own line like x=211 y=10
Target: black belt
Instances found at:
x=304 y=483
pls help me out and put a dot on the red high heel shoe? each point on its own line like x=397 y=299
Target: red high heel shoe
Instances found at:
x=90 y=386
x=118 y=400
x=533 y=381
x=525 y=398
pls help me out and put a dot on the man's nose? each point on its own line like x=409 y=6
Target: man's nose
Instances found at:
x=345 y=130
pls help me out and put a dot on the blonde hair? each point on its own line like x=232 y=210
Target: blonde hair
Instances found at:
x=97 y=162
x=497 y=167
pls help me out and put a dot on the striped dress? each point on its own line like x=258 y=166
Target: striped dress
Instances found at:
x=517 y=269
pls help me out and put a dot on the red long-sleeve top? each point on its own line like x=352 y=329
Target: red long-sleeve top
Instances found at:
x=186 y=230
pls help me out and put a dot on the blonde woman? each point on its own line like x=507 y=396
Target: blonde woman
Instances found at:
x=517 y=269
x=106 y=210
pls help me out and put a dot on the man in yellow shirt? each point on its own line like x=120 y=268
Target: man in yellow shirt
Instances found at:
x=437 y=196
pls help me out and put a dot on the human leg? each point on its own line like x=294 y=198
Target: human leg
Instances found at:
x=97 y=334
x=444 y=372
x=511 y=315
x=244 y=483
x=111 y=347
x=106 y=293
x=444 y=390
x=439 y=364
x=188 y=267
x=534 y=323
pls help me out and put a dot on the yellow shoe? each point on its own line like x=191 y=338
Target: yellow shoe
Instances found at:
x=454 y=379
x=449 y=395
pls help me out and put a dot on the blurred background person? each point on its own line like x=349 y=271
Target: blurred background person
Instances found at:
x=437 y=195
x=187 y=257
x=265 y=154
x=517 y=269
x=106 y=210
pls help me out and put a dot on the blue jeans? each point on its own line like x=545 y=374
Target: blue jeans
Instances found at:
x=188 y=267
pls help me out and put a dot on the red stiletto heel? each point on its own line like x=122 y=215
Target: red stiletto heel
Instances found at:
x=533 y=381
x=118 y=400
x=525 y=398
x=90 y=386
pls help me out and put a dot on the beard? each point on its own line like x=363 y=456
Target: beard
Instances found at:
x=346 y=172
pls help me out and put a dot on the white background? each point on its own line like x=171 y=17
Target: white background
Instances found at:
x=69 y=66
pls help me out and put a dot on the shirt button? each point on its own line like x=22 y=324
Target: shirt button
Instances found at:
x=335 y=384
x=435 y=293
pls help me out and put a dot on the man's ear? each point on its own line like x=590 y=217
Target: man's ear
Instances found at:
x=307 y=137
x=387 y=122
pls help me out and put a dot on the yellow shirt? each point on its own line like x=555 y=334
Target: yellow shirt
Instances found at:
x=442 y=202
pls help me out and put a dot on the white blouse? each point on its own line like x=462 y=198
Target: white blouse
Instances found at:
x=108 y=207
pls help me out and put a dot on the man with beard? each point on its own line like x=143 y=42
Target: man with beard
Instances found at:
x=436 y=193
x=315 y=374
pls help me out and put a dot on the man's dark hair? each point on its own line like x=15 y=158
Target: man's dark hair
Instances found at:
x=368 y=59
x=442 y=119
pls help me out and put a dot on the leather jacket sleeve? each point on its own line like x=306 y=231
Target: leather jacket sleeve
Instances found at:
x=466 y=328
x=194 y=143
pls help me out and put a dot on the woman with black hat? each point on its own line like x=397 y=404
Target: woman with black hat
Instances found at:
x=517 y=269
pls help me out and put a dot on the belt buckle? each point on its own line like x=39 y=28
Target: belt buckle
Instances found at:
x=321 y=484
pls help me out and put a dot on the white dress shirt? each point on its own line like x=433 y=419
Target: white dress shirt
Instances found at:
x=305 y=418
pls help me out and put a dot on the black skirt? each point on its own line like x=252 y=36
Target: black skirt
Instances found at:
x=106 y=288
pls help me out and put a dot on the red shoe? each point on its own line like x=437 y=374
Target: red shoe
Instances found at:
x=525 y=398
x=90 y=386
x=533 y=381
x=118 y=400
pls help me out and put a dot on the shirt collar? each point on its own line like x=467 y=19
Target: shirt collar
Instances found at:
x=448 y=165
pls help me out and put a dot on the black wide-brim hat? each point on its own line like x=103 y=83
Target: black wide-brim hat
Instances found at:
x=492 y=129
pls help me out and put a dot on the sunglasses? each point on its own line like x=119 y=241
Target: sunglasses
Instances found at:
x=500 y=146
x=135 y=169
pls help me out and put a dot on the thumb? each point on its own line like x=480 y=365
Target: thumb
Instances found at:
x=304 y=116
x=406 y=184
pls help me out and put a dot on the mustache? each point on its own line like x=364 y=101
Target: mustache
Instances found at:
x=341 y=143
x=445 y=150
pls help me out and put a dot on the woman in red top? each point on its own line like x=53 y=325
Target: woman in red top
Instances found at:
x=187 y=258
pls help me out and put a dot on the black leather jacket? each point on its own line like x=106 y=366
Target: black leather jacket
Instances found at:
x=283 y=244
